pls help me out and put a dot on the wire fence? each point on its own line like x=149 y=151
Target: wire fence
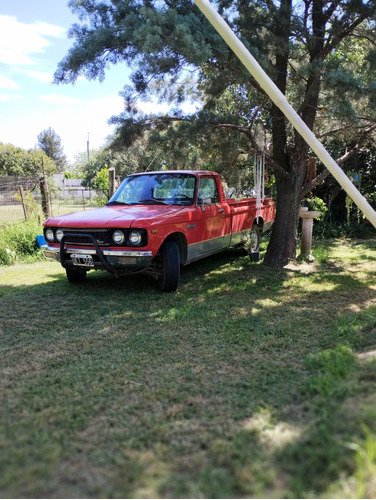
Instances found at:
x=25 y=197
x=11 y=206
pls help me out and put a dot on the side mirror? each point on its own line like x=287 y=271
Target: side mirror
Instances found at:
x=201 y=202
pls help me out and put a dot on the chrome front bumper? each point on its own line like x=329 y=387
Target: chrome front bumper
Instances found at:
x=115 y=258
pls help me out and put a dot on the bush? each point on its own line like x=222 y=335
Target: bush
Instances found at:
x=333 y=229
x=18 y=242
x=317 y=204
x=32 y=206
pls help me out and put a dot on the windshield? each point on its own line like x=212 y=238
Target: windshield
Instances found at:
x=156 y=189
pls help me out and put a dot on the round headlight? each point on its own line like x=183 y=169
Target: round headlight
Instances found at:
x=118 y=237
x=59 y=234
x=135 y=238
x=50 y=235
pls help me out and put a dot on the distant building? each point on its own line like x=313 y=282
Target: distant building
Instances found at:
x=72 y=188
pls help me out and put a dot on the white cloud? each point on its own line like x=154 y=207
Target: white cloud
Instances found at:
x=9 y=97
x=41 y=76
x=7 y=83
x=20 y=41
x=59 y=100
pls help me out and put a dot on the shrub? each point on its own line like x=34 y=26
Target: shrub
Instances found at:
x=32 y=206
x=333 y=229
x=316 y=203
x=18 y=242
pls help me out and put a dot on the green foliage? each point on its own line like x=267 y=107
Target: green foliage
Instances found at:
x=124 y=163
x=101 y=184
x=19 y=162
x=317 y=204
x=18 y=242
x=330 y=229
x=32 y=206
x=365 y=463
x=101 y=181
x=371 y=198
x=344 y=217
x=68 y=174
x=136 y=34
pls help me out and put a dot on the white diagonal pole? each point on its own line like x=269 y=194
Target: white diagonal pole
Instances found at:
x=280 y=100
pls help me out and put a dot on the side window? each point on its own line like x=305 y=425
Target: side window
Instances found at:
x=208 y=189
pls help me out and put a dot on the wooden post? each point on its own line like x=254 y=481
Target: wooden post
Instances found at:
x=26 y=214
x=111 y=182
x=46 y=206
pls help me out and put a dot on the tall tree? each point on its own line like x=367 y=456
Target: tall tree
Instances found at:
x=301 y=45
x=21 y=162
x=50 y=143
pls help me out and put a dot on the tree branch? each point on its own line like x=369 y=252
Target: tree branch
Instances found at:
x=307 y=188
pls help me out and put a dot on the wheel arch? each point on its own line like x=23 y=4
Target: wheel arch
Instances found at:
x=259 y=222
x=182 y=243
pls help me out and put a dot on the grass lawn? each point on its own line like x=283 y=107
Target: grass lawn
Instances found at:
x=11 y=213
x=247 y=382
x=61 y=207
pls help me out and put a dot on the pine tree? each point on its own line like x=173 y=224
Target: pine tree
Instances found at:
x=302 y=45
x=50 y=143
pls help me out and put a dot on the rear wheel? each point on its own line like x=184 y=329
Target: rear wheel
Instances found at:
x=254 y=239
x=75 y=275
x=168 y=266
x=253 y=247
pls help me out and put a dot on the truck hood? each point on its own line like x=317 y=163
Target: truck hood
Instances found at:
x=115 y=216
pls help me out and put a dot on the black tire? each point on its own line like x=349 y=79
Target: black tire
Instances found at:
x=254 y=240
x=75 y=275
x=168 y=264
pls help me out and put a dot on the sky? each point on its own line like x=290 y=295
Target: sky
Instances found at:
x=33 y=40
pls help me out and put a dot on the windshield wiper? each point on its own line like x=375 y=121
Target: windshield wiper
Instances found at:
x=153 y=202
x=117 y=203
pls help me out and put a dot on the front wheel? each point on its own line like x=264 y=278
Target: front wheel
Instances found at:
x=168 y=266
x=75 y=275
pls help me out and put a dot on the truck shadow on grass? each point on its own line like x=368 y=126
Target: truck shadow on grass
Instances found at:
x=244 y=383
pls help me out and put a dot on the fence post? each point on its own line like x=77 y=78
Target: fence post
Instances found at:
x=24 y=203
x=111 y=182
x=46 y=207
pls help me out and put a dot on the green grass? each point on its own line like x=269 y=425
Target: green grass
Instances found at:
x=18 y=242
x=247 y=382
x=11 y=213
x=61 y=207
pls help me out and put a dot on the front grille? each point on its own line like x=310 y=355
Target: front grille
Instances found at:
x=76 y=236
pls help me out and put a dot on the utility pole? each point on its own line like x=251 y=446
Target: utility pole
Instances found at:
x=88 y=146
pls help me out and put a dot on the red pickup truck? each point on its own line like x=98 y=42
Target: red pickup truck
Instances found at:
x=155 y=222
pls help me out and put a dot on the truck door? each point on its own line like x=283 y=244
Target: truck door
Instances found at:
x=214 y=225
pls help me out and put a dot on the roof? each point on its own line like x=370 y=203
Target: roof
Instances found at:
x=192 y=172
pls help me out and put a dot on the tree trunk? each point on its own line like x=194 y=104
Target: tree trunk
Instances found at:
x=291 y=174
x=283 y=241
